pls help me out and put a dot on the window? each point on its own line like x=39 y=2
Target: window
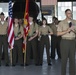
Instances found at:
x=62 y=6
x=74 y=10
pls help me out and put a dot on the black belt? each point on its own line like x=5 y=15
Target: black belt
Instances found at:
x=44 y=35
x=29 y=36
x=3 y=35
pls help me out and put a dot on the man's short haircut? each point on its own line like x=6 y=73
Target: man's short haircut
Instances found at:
x=67 y=10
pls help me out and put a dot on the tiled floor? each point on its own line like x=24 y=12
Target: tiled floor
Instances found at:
x=32 y=69
x=55 y=69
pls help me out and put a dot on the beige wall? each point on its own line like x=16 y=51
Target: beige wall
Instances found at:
x=49 y=2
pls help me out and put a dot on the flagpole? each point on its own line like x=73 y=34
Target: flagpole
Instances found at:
x=25 y=55
x=24 y=50
x=11 y=56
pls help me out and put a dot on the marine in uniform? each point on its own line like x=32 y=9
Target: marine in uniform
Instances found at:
x=4 y=39
x=67 y=29
x=31 y=43
x=44 y=32
x=55 y=40
x=17 y=54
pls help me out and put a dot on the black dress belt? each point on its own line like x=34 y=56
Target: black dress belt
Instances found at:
x=44 y=35
x=3 y=35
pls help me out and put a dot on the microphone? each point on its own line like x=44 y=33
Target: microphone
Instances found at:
x=70 y=24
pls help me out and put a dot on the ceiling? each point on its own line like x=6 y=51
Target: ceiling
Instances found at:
x=34 y=0
x=17 y=0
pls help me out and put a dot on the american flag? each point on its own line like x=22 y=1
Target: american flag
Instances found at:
x=10 y=27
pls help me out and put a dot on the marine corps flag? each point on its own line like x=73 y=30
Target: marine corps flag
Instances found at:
x=26 y=21
x=26 y=18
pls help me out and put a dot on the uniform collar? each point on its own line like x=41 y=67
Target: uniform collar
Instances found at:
x=30 y=23
x=2 y=22
x=68 y=20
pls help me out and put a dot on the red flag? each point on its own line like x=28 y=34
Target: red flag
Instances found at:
x=26 y=20
x=10 y=27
